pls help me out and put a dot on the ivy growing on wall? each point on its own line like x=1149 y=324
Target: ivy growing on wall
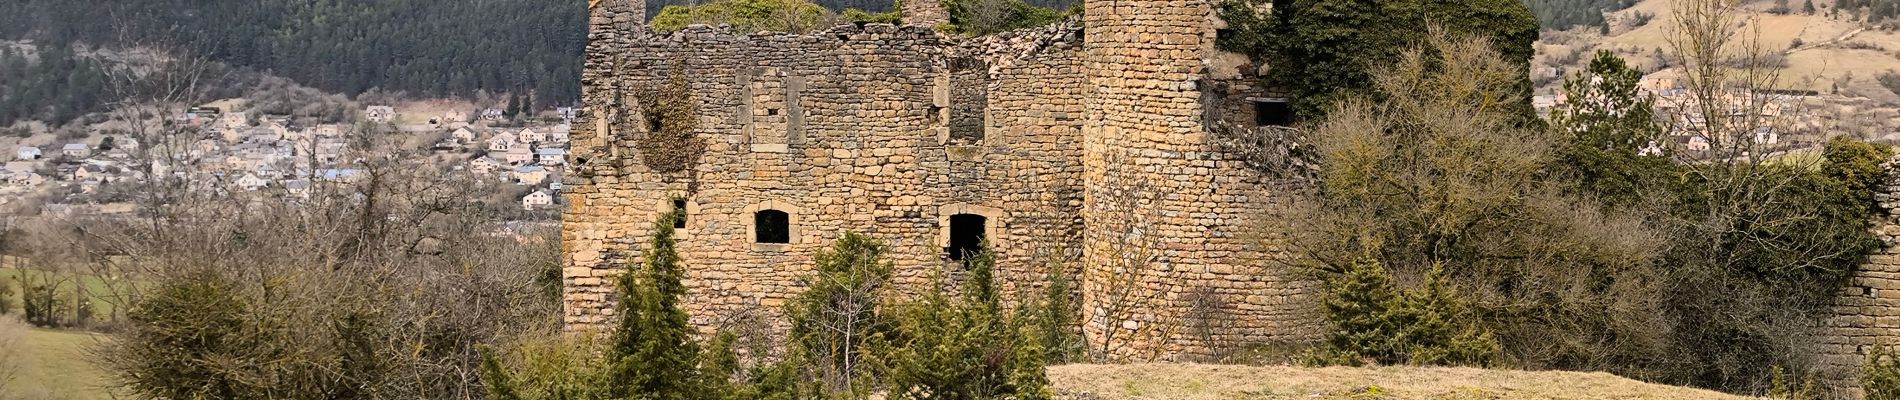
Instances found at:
x=670 y=144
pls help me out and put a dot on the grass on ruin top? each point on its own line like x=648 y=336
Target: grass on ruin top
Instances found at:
x=1225 y=382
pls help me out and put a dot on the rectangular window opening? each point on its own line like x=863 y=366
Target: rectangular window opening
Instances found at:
x=679 y=210
x=966 y=235
x=772 y=227
x=1272 y=112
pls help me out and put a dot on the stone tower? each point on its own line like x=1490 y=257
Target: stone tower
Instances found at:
x=1176 y=260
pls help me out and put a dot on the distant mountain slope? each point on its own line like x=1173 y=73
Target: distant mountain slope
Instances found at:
x=424 y=47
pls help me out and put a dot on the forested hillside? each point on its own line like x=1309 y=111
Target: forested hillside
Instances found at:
x=424 y=47
x=1562 y=14
x=52 y=85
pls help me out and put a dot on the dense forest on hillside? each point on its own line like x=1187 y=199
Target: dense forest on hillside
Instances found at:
x=423 y=47
x=53 y=85
x=1563 y=14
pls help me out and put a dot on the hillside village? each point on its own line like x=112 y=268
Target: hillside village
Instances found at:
x=1831 y=68
x=278 y=156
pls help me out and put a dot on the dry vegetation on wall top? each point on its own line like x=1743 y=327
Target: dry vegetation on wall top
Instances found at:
x=1225 y=382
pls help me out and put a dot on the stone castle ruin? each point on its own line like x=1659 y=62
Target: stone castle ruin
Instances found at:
x=1131 y=155
x=1090 y=151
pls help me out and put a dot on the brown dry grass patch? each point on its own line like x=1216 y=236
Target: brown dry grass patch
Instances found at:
x=1226 y=382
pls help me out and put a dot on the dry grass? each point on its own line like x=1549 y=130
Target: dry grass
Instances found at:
x=1224 y=382
x=55 y=365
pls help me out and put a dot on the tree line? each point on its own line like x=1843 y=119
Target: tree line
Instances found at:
x=431 y=48
x=52 y=85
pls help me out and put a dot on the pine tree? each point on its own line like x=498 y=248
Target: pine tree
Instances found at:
x=652 y=354
x=514 y=105
x=1610 y=121
x=1808 y=7
x=942 y=336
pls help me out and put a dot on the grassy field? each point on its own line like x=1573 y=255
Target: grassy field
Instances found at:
x=56 y=366
x=1222 y=382
x=98 y=289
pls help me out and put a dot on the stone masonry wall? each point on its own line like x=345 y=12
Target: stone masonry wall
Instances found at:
x=1867 y=312
x=1173 y=267
x=1088 y=154
x=845 y=129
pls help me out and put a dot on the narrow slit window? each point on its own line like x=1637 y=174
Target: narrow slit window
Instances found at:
x=1272 y=112
x=966 y=235
x=679 y=208
x=772 y=226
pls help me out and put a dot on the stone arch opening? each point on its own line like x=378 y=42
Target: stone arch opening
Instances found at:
x=772 y=227
x=968 y=233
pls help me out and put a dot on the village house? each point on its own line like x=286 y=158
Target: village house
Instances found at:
x=379 y=114
x=297 y=187
x=559 y=133
x=529 y=135
x=551 y=155
x=445 y=145
x=25 y=179
x=27 y=153
x=76 y=150
x=518 y=155
x=86 y=172
x=483 y=165
x=566 y=113
x=298 y=134
x=464 y=134
x=329 y=130
x=454 y=117
x=279 y=129
x=501 y=141
x=530 y=175
x=493 y=114
x=251 y=182
x=235 y=120
x=536 y=199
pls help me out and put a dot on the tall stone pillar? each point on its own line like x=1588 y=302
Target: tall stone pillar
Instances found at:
x=1172 y=267
x=613 y=28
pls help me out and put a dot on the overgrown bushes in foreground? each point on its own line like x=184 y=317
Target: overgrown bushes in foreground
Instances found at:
x=850 y=337
x=1578 y=246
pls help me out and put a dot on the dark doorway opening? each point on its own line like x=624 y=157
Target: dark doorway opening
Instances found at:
x=773 y=226
x=966 y=235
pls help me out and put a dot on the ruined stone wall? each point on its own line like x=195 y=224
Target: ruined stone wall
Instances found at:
x=846 y=129
x=1164 y=207
x=1866 y=314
